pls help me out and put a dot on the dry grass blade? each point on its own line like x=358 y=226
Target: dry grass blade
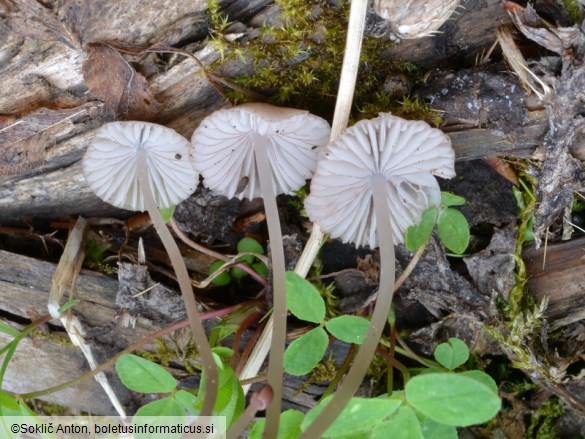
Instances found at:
x=66 y=278
x=517 y=63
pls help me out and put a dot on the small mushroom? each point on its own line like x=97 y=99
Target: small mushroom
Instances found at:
x=143 y=166
x=273 y=151
x=410 y=19
x=372 y=183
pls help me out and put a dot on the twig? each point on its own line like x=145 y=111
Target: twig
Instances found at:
x=202 y=249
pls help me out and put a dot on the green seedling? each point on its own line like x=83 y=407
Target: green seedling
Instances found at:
x=249 y=247
x=451 y=225
x=305 y=303
x=144 y=376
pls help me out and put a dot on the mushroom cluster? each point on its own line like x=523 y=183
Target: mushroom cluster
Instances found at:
x=372 y=183
x=247 y=151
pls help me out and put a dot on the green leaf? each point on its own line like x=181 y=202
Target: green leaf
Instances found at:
x=188 y=401
x=223 y=351
x=8 y=405
x=449 y=199
x=289 y=426
x=67 y=305
x=305 y=352
x=452 y=399
x=357 y=416
x=168 y=406
x=452 y=354
x=144 y=376
x=483 y=378
x=7 y=329
x=167 y=213
x=453 y=230
x=402 y=425
x=230 y=397
x=237 y=273
x=249 y=245
x=261 y=269
x=221 y=279
x=303 y=299
x=418 y=234
x=433 y=430
x=350 y=329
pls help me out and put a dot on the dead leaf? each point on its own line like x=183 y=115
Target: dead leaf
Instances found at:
x=503 y=168
x=34 y=20
x=113 y=80
x=556 y=39
x=24 y=139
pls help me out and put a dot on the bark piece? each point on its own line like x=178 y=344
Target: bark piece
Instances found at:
x=562 y=279
x=111 y=78
x=492 y=269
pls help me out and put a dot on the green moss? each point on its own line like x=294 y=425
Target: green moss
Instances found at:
x=574 y=10
x=324 y=372
x=173 y=351
x=543 y=420
x=298 y=61
x=55 y=337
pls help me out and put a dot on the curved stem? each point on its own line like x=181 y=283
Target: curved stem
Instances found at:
x=275 y=367
x=366 y=352
x=349 y=69
x=185 y=285
x=206 y=251
x=258 y=401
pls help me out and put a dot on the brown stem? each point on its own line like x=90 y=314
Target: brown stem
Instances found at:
x=379 y=317
x=246 y=353
x=185 y=285
x=258 y=401
x=275 y=364
x=202 y=249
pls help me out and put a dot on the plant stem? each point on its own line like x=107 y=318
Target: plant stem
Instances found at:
x=104 y=366
x=275 y=367
x=366 y=352
x=185 y=284
x=206 y=251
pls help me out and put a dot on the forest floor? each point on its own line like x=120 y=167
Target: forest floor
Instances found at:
x=515 y=295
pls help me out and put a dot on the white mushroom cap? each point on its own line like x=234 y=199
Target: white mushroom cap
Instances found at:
x=406 y=153
x=415 y=18
x=110 y=164
x=224 y=148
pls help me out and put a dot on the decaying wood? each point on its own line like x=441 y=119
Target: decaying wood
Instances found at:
x=562 y=280
x=47 y=360
x=56 y=187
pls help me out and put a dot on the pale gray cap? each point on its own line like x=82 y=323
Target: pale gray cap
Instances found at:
x=406 y=153
x=224 y=148
x=110 y=165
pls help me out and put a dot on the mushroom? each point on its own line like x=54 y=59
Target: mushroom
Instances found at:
x=255 y=150
x=371 y=183
x=412 y=19
x=143 y=166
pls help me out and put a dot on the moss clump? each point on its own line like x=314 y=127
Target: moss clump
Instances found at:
x=575 y=11
x=297 y=62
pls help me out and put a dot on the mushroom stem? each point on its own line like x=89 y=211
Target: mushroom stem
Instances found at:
x=384 y=300
x=184 y=283
x=258 y=401
x=275 y=367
